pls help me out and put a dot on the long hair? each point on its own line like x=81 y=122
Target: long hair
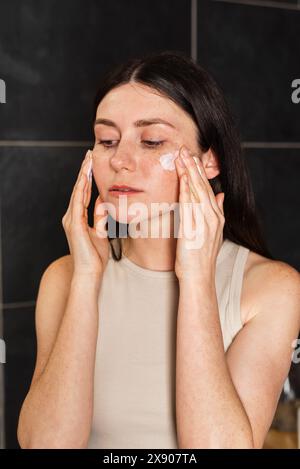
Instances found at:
x=192 y=88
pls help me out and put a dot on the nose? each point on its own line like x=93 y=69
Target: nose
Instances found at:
x=124 y=157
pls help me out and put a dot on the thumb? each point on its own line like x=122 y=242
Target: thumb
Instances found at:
x=100 y=217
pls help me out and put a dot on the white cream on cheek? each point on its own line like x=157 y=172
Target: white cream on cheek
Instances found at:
x=167 y=160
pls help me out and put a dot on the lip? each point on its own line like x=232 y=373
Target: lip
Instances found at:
x=131 y=190
x=119 y=193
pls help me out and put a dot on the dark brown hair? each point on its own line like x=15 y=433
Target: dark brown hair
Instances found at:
x=184 y=81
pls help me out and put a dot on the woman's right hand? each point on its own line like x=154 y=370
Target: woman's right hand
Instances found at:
x=88 y=249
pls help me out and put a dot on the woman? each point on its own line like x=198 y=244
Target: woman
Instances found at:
x=170 y=345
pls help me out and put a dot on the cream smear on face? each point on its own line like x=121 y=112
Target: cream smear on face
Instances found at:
x=167 y=160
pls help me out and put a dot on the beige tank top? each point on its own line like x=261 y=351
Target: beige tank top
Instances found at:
x=134 y=388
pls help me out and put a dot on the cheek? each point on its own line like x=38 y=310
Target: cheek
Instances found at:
x=167 y=161
x=100 y=173
x=164 y=185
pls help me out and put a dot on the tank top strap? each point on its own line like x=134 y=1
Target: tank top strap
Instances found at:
x=235 y=290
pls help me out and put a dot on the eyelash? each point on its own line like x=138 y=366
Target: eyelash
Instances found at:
x=155 y=143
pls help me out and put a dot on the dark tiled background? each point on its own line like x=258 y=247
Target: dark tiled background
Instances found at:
x=19 y=334
x=285 y=4
x=54 y=53
x=254 y=53
x=275 y=177
x=52 y=56
x=36 y=189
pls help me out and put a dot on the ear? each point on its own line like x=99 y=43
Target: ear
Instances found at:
x=210 y=163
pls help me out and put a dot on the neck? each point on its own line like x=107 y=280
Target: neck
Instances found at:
x=153 y=253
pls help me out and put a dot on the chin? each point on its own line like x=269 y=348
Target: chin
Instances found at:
x=129 y=219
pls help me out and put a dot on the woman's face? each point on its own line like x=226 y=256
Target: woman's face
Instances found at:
x=127 y=152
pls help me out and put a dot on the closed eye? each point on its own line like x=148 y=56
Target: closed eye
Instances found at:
x=148 y=143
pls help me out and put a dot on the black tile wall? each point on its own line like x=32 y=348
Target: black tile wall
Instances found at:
x=265 y=3
x=287 y=2
x=36 y=190
x=20 y=340
x=52 y=56
x=253 y=52
x=53 y=53
x=275 y=179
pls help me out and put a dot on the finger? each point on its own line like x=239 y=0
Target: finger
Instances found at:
x=182 y=169
x=100 y=217
x=220 y=201
x=78 y=186
x=82 y=167
x=179 y=164
x=198 y=174
x=184 y=201
x=79 y=202
x=196 y=182
x=210 y=191
x=196 y=208
x=192 y=188
x=79 y=194
x=88 y=189
x=78 y=211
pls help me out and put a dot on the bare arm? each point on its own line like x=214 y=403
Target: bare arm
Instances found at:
x=58 y=408
x=57 y=411
x=208 y=409
x=229 y=400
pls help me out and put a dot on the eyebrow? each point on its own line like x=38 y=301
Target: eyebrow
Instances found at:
x=138 y=123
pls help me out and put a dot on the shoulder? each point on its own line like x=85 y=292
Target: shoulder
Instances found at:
x=50 y=306
x=55 y=282
x=59 y=269
x=269 y=284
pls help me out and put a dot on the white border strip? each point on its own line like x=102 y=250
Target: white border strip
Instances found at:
x=265 y=3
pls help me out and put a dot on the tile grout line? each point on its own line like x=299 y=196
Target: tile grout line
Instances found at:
x=264 y=3
x=194 y=30
x=81 y=144
x=18 y=304
x=274 y=145
x=45 y=143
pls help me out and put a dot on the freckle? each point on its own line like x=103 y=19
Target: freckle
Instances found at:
x=167 y=161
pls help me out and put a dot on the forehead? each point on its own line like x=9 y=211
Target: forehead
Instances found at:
x=133 y=101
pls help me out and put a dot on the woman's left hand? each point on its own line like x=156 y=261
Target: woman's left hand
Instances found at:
x=196 y=257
